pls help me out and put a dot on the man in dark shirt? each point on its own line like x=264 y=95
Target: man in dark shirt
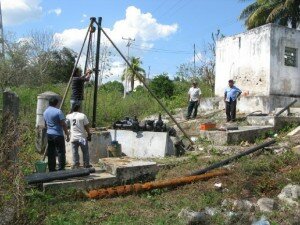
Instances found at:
x=78 y=86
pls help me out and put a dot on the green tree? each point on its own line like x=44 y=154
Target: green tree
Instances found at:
x=113 y=86
x=128 y=73
x=282 y=12
x=162 y=86
x=60 y=65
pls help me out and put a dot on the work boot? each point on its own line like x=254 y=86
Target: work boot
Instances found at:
x=75 y=167
x=88 y=166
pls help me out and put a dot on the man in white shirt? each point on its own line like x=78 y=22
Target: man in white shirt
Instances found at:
x=80 y=135
x=194 y=100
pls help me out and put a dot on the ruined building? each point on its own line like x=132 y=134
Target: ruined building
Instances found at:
x=265 y=64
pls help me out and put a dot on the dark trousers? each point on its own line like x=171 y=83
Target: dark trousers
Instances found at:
x=56 y=146
x=192 y=106
x=231 y=110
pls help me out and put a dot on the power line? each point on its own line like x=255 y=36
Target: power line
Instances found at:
x=160 y=50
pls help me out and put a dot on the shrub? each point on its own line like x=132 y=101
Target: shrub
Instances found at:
x=162 y=86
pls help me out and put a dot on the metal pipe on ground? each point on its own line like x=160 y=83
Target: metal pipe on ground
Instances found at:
x=285 y=108
x=137 y=188
x=37 y=178
x=148 y=88
x=229 y=160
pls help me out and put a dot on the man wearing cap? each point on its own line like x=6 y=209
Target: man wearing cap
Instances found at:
x=231 y=95
x=194 y=100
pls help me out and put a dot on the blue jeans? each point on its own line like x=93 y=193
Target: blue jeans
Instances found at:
x=85 y=153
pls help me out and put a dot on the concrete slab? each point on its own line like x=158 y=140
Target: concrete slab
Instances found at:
x=144 y=144
x=97 y=147
x=117 y=171
x=126 y=169
x=295 y=111
x=244 y=133
x=277 y=122
x=96 y=180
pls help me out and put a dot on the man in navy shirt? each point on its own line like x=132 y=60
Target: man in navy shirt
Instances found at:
x=78 y=86
x=230 y=97
x=55 y=124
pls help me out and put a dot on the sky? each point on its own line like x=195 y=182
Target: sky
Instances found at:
x=164 y=30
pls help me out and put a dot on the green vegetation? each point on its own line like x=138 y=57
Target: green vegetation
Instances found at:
x=162 y=86
x=282 y=12
x=129 y=74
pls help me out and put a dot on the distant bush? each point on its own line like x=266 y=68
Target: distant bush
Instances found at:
x=162 y=86
x=113 y=86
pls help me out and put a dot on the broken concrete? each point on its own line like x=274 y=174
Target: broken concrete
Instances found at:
x=244 y=133
x=118 y=171
x=126 y=169
x=277 y=122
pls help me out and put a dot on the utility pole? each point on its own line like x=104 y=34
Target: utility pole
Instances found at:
x=129 y=42
x=1 y=34
x=149 y=68
x=194 y=61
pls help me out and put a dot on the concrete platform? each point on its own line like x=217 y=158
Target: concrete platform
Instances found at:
x=277 y=122
x=126 y=169
x=97 y=147
x=118 y=171
x=144 y=144
x=244 y=133
x=95 y=180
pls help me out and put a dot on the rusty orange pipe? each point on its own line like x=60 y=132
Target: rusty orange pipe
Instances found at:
x=136 y=188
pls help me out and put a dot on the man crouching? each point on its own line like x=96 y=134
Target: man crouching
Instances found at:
x=80 y=135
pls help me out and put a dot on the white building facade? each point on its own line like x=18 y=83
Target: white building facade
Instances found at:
x=265 y=64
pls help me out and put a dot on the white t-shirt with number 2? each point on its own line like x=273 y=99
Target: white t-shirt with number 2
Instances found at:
x=77 y=122
x=194 y=94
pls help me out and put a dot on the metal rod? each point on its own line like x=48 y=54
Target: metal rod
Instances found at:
x=74 y=68
x=285 y=108
x=70 y=80
x=138 y=187
x=86 y=65
x=229 y=160
x=146 y=86
x=96 y=72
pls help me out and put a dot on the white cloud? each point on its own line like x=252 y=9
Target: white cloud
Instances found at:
x=57 y=11
x=141 y=26
x=84 y=16
x=20 y=11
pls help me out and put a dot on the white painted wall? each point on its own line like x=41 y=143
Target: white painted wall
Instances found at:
x=285 y=80
x=255 y=60
x=244 y=58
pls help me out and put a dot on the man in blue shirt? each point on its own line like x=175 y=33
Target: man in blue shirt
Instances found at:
x=55 y=124
x=230 y=97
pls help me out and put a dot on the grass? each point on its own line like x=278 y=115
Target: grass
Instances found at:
x=252 y=177
x=249 y=180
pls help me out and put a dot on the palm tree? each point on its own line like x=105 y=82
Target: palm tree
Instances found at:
x=282 y=12
x=129 y=74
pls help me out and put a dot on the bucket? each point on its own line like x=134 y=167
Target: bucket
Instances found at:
x=114 y=150
x=40 y=167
